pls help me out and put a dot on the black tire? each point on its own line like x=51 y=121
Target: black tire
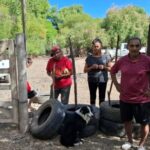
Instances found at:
x=117 y=129
x=93 y=125
x=112 y=128
x=47 y=120
x=111 y=112
x=89 y=130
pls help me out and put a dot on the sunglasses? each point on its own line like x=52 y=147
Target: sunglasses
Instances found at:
x=137 y=46
x=96 y=46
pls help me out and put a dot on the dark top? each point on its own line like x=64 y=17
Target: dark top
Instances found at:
x=97 y=75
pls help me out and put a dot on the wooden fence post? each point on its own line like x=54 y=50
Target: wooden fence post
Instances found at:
x=14 y=82
x=22 y=79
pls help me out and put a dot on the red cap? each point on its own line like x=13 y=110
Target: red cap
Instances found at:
x=55 y=48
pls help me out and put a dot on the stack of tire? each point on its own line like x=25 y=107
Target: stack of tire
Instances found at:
x=110 y=120
x=48 y=119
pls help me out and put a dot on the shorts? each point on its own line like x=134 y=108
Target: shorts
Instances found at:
x=140 y=111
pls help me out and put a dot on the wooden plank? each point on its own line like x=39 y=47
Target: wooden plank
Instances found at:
x=4 y=50
x=22 y=78
x=4 y=71
x=6 y=120
x=5 y=104
x=5 y=86
x=14 y=83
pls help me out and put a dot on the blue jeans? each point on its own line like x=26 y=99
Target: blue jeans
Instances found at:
x=65 y=92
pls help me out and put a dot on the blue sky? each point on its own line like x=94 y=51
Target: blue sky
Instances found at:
x=98 y=8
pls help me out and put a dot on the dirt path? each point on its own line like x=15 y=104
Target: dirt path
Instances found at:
x=11 y=139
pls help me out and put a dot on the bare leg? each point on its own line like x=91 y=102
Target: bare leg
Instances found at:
x=128 y=129
x=144 y=134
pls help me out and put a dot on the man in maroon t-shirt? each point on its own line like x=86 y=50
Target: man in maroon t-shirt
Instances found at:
x=59 y=68
x=134 y=89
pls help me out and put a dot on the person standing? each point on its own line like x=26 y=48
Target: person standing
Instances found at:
x=31 y=94
x=59 y=68
x=97 y=66
x=134 y=89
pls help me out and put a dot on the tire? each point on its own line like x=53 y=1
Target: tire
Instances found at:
x=112 y=128
x=47 y=120
x=117 y=129
x=93 y=125
x=111 y=112
x=89 y=130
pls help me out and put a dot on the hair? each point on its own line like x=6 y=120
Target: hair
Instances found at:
x=134 y=38
x=97 y=40
x=29 y=60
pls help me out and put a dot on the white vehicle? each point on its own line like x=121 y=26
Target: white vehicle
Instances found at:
x=4 y=77
x=122 y=51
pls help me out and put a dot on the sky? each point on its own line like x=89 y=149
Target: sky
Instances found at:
x=99 y=8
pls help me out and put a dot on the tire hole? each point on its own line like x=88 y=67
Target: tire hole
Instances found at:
x=44 y=115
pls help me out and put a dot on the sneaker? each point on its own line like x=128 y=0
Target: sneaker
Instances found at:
x=126 y=146
x=141 y=148
x=78 y=143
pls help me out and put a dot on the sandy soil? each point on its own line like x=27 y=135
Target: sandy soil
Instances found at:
x=11 y=139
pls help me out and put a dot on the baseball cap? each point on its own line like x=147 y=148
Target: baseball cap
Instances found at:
x=54 y=49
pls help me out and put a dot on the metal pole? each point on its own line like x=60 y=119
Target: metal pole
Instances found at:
x=116 y=55
x=148 y=42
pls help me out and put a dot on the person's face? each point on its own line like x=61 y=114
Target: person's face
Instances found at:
x=134 y=47
x=29 y=63
x=57 y=55
x=96 y=47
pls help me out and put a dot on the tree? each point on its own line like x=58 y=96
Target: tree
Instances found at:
x=126 y=22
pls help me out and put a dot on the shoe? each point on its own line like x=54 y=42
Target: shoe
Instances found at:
x=126 y=146
x=78 y=143
x=141 y=148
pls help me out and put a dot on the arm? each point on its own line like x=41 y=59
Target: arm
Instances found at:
x=108 y=66
x=114 y=79
x=89 y=68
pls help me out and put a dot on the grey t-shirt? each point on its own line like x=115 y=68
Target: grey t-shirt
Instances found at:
x=97 y=75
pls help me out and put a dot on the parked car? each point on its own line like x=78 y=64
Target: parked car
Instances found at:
x=122 y=51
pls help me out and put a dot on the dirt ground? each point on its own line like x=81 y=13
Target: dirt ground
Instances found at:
x=11 y=139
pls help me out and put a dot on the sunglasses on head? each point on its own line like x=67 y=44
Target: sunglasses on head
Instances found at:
x=137 y=45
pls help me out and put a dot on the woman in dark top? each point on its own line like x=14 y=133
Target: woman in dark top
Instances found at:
x=97 y=66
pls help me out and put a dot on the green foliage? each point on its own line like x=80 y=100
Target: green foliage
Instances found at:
x=126 y=22
x=5 y=21
x=46 y=25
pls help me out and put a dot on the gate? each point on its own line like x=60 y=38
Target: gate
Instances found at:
x=13 y=70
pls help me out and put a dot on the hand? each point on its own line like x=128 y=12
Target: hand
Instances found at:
x=147 y=93
x=94 y=66
x=58 y=77
x=101 y=67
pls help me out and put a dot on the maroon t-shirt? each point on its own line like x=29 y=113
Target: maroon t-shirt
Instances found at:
x=134 y=78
